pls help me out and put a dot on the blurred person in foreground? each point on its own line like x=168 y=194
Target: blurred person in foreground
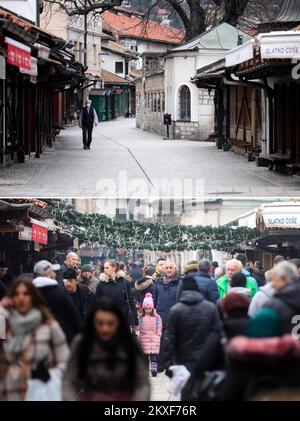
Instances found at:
x=107 y=363
x=35 y=345
x=286 y=299
x=262 y=365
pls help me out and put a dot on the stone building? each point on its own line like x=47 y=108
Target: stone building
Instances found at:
x=150 y=95
x=192 y=109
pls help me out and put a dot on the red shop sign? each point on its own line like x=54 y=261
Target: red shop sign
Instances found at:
x=39 y=234
x=18 y=54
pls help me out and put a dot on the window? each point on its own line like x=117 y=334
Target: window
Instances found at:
x=158 y=103
x=119 y=67
x=155 y=103
x=126 y=68
x=185 y=103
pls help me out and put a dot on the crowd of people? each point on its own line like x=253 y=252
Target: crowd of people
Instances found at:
x=100 y=333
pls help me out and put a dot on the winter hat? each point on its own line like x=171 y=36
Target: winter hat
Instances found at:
x=264 y=324
x=86 y=268
x=235 y=302
x=148 y=300
x=190 y=267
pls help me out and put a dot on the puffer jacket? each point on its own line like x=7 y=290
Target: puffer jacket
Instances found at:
x=150 y=333
x=193 y=332
x=165 y=295
x=286 y=303
x=119 y=290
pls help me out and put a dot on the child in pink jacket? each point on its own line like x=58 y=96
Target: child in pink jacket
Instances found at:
x=150 y=332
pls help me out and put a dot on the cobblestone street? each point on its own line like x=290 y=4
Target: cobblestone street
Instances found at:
x=68 y=170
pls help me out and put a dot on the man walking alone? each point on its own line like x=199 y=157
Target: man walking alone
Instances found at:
x=88 y=117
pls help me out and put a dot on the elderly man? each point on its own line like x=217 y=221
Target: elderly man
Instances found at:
x=286 y=300
x=71 y=261
x=88 y=118
x=233 y=266
x=87 y=279
x=165 y=294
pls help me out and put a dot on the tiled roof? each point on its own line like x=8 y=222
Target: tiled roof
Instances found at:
x=136 y=27
x=117 y=48
x=109 y=77
x=26 y=26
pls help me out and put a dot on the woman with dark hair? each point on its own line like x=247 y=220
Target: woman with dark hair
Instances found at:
x=106 y=361
x=113 y=283
x=35 y=346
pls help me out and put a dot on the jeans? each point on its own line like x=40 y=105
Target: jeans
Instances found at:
x=87 y=135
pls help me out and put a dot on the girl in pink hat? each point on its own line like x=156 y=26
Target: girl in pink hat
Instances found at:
x=150 y=332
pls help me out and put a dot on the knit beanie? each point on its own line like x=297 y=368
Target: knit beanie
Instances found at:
x=148 y=301
x=265 y=324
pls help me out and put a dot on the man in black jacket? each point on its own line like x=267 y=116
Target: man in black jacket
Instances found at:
x=57 y=299
x=88 y=118
x=82 y=297
x=193 y=334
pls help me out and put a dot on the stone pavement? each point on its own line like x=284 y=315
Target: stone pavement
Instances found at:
x=69 y=171
x=159 y=386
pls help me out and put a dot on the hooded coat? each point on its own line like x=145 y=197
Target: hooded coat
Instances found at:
x=119 y=290
x=142 y=287
x=61 y=306
x=286 y=303
x=193 y=332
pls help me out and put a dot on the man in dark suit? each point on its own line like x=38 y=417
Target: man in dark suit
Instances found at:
x=88 y=118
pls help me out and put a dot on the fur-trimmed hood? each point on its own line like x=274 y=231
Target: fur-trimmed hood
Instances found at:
x=144 y=283
x=106 y=279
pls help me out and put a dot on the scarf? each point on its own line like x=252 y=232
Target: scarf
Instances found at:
x=167 y=280
x=20 y=325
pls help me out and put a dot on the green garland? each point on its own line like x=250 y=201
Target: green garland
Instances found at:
x=135 y=235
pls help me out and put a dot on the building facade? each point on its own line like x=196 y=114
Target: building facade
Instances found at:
x=191 y=109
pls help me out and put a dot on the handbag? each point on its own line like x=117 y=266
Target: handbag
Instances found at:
x=208 y=387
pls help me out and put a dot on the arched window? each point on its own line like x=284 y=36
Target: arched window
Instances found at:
x=185 y=103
